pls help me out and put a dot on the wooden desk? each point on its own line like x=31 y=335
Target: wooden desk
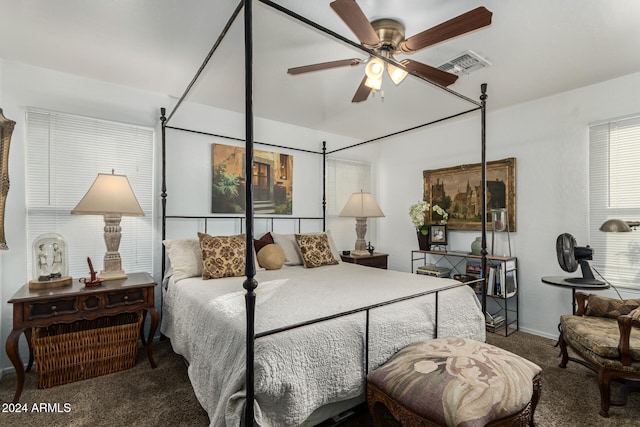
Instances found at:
x=571 y=282
x=45 y=307
x=377 y=260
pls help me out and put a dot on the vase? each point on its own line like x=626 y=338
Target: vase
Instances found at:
x=476 y=246
x=423 y=241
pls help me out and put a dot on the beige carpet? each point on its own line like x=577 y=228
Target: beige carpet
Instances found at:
x=142 y=396
x=570 y=397
x=138 y=397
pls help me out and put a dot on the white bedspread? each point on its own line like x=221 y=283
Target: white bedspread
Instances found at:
x=301 y=370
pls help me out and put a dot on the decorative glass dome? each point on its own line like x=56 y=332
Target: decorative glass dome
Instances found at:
x=49 y=258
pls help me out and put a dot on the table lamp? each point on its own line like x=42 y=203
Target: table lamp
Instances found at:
x=110 y=195
x=361 y=206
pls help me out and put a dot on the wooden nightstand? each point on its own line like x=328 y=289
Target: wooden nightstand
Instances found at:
x=45 y=307
x=376 y=260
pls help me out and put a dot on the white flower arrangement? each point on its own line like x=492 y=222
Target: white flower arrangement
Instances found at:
x=445 y=216
x=416 y=212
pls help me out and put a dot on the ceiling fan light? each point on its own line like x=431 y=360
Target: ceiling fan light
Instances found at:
x=397 y=74
x=375 y=68
x=373 y=83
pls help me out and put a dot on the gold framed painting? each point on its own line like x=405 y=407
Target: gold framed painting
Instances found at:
x=458 y=191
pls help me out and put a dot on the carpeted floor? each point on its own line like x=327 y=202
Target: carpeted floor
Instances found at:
x=142 y=396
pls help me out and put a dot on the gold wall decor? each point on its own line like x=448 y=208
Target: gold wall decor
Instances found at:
x=458 y=191
x=6 y=129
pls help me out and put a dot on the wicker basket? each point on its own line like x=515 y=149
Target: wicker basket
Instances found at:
x=84 y=349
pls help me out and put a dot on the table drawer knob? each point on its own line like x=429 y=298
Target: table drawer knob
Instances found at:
x=53 y=308
x=126 y=297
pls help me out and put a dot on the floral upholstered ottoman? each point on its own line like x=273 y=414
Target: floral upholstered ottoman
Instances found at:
x=455 y=382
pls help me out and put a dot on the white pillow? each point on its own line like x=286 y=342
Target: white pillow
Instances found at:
x=291 y=250
x=185 y=257
x=332 y=246
x=289 y=246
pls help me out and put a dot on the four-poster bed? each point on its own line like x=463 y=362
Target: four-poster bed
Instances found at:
x=439 y=305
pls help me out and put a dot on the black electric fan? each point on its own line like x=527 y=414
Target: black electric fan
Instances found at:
x=570 y=256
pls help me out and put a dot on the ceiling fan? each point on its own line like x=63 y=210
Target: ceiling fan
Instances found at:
x=386 y=37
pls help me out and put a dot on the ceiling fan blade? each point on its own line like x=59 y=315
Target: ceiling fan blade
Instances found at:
x=356 y=20
x=324 y=66
x=472 y=20
x=430 y=73
x=362 y=93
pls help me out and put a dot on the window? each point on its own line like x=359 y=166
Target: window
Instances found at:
x=345 y=177
x=614 y=180
x=64 y=155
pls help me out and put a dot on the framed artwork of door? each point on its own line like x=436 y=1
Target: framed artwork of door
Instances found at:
x=272 y=181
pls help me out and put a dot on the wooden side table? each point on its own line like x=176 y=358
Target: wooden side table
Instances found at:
x=377 y=260
x=45 y=307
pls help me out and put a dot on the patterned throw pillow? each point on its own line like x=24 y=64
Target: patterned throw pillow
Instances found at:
x=600 y=306
x=315 y=250
x=222 y=256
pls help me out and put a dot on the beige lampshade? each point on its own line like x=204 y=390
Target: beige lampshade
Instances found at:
x=361 y=205
x=109 y=194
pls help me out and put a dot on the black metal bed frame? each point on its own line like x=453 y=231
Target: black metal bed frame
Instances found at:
x=250 y=283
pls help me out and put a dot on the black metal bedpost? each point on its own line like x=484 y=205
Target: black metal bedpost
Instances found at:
x=250 y=283
x=324 y=185
x=163 y=194
x=483 y=100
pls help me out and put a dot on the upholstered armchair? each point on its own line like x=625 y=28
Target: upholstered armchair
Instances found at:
x=603 y=335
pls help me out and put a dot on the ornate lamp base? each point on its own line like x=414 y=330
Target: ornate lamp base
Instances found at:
x=112 y=261
x=361 y=231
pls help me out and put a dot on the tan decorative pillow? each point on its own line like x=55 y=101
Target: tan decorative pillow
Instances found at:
x=315 y=250
x=271 y=257
x=600 y=306
x=222 y=256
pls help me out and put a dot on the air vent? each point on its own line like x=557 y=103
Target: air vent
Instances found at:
x=465 y=63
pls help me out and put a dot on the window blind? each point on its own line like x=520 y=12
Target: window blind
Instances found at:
x=345 y=177
x=614 y=179
x=64 y=155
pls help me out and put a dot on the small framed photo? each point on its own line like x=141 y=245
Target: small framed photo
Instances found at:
x=438 y=234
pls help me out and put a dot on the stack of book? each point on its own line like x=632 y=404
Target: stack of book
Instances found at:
x=433 y=270
x=474 y=267
x=494 y=322
x=501 y=277
x=501 y=280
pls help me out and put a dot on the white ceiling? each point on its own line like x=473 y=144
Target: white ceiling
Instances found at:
x=536 y=47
